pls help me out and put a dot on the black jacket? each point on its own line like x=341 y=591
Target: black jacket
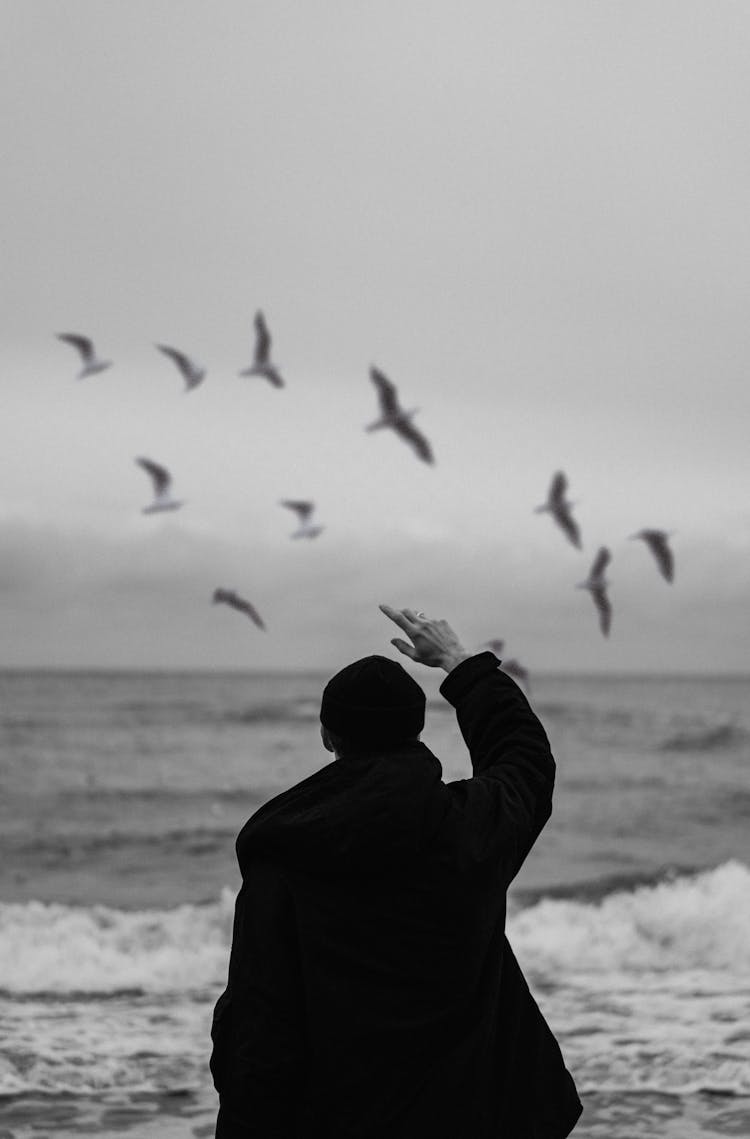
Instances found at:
x=372 y=993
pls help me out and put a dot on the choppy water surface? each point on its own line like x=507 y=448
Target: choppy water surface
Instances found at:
x=123 y=794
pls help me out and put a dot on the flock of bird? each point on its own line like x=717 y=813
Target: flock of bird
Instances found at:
x=596 y=583
x=401 y=421
x=558 y=506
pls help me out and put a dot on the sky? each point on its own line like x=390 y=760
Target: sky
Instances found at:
x=532 y=216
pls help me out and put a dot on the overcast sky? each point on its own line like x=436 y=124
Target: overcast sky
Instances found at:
x=534 y=217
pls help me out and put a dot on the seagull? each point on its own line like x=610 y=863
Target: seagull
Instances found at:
x=189 y=370
x=496 y=647
x=656 y=540
x=512 y=666
x=229 y=597
x=515 y=669
x=262 y=365
x=559 y=507
x=303 y=510
x=393 y=415
x=91 y=363
x=162 y=481
x=596 y=584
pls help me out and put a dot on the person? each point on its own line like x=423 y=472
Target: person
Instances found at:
x=372 y=993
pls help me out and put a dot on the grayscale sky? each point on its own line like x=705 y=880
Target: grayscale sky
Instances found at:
x=534 y=217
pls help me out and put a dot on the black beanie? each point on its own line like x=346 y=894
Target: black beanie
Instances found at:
x=373 y=700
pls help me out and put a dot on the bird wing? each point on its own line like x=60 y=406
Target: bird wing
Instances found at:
x=557 y=488
x=221 y=595
x=183 y=362
x=600 y=563
x=81 y=343
x=262 y=340
x=656 y=540
x=160 y=476
x=250 y=610
x=302 y=509
x=387 y=393
x=567 y=524
x=602 y=603
x=272 y=375
x=406 y=429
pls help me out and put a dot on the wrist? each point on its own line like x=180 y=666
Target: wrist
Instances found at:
x=450 y=660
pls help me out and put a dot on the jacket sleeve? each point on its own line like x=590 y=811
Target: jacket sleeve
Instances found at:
x=259 y=1059
x=509 y=799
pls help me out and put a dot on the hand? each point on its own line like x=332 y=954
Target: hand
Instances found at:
x=433 y=642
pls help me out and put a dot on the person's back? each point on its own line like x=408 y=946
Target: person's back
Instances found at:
x=371 y=990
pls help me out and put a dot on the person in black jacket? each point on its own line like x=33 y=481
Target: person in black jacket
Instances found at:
x=372 y=993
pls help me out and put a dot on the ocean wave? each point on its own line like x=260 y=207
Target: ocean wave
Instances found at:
x=647 y=990
x=705 y=737
x=131 y=1045
x=693 y=923
x=294 y=711
x=621 y=725
x=53 y=948
x=586 y=713
x=698 y=922
x=181 y=796
x=148 y=713
x=596 y=889
x=193 y=840
x=151 y=711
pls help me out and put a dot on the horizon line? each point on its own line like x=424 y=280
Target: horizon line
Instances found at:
x=190 y=670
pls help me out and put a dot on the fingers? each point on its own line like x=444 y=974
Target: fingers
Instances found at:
x=400 y=617
x=403 y=647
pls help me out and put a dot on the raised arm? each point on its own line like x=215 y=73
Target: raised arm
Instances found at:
x=509 y=799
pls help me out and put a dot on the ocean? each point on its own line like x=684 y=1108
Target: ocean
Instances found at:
x=122 y=794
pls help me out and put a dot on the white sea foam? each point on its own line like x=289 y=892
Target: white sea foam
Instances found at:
x=73 y=949
x=648 y=989
x=687 y=928
x=123 y=1043
x=700 y=922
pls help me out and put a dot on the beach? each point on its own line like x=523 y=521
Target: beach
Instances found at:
x=124 y=793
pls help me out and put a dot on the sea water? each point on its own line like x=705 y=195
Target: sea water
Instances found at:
x=122 y=794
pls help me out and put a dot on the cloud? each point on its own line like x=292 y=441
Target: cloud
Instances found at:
x=142 y=599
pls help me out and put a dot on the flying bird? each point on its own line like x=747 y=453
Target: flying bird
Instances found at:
x=496 y=647
x=657 y=542
x=303 y=510
x=393 y=415
x=596 y=584
x=229 y=597
x=512 y=666
x=85 y=347
x=162 y=482
x=191 y=373
x=559 y=507
x=262 y=364
x=515 y=669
